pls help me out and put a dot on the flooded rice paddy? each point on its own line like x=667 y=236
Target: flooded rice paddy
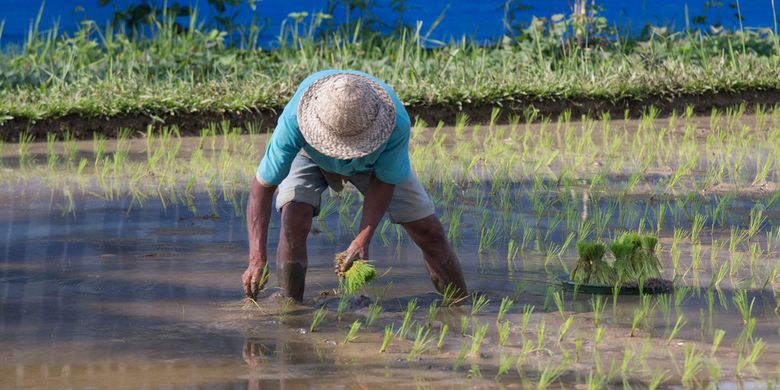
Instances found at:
x=121 y=263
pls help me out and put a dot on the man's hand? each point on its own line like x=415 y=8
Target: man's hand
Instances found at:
x=255 y=278
x=357 y=250
x=258 y=213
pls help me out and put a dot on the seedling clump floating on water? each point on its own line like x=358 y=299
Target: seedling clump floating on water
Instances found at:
x=591 y=267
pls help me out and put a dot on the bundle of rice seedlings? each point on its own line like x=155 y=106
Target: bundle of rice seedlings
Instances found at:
x=359 y=274
x=591 y=267
x=635 y=258
x=651 y=265
x=625 y=270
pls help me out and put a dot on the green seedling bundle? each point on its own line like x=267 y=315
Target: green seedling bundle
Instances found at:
x=635 y=262
x=357 y=276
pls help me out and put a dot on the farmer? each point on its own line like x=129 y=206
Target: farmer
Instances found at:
x=341 y=126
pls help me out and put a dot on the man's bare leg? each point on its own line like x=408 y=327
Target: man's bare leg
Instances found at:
x=291 y=257
x=443 y=266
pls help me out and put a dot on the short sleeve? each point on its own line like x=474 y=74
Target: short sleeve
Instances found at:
x=392 y=166
x=285 y=143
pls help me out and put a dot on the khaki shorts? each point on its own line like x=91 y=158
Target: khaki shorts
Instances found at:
x=307 y=181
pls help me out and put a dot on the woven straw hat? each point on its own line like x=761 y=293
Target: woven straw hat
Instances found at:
x=345 y=115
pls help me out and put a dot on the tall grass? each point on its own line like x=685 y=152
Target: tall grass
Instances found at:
x=169 y=70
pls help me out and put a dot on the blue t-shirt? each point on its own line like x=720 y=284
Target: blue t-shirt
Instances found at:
x=389 y=163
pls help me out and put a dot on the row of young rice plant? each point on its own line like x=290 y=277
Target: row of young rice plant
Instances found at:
x=529 y=189
x=706 y=186
x=195 y=69
x=659 y=343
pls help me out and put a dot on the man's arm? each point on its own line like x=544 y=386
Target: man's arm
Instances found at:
x=375 y=205
x=258 y=214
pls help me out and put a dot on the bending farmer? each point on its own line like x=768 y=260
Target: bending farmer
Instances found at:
x=341 y=126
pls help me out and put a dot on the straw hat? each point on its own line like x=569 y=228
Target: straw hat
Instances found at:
x=345 y=115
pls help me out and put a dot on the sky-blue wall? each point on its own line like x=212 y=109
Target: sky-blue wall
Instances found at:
x=481 y=19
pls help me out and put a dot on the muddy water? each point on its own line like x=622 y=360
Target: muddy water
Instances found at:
x=114 y=296
x=110 y=293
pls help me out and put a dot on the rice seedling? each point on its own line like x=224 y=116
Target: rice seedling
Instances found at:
x=442 y=334
x=564 y=329
x=343 y=303
x=387 y=338
x=479 y=302
x=51 y=150
x=512 y=252
x=374 y=310
x=23 y=145
x=596 y=381
x=692 y=365
x=319 y=315
x=657 y=378
x=351 y=335
x=411 y=308
x=746 y=335
x=550 y=374
x=506 y=305
x=741 y=303
x=591 y=268
x=503 y=332
x=477 y=338
x=464 y=325
x=540 y=334
x=451 y=296
x=717 y=337
x=461 y=356
x=284 y=309
x=749 y=360
x=421 y=342
x=677 y=327
x=504 y=364
x=598 y=305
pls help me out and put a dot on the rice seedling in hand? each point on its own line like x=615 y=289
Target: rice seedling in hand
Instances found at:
x=319 y=315
x=360 y=273
x=352 y=331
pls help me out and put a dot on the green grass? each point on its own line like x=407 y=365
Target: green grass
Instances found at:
x=55 y=74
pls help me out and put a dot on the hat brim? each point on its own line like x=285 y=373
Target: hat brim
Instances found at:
x=345 y=147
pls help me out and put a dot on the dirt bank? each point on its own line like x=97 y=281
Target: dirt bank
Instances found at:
x=193 y=122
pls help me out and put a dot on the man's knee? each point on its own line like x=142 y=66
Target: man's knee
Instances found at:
x=296 y=221
x=428 y=230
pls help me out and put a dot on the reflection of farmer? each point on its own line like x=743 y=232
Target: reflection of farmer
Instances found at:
x=341 y=126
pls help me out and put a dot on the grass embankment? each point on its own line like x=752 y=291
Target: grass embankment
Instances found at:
x=101 y=74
